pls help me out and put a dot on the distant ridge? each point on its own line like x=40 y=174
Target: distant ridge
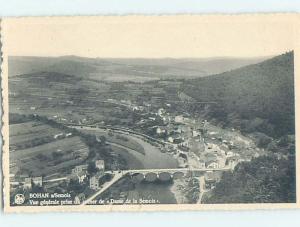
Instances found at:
x=140 y=67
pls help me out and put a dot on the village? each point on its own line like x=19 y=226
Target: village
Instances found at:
x=157 y=113
x=193 y=141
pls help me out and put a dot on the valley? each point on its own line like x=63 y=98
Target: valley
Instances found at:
x=78 y=123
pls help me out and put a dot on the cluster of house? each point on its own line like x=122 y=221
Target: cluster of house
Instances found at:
x=215 y=157
x=178 y=132
x=80 y=173
x=182 y=135
x=30 y=181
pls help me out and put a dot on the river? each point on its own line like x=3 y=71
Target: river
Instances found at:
x=152 y=159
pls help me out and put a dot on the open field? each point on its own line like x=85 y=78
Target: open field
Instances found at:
x=26 y=135
x=39 y=149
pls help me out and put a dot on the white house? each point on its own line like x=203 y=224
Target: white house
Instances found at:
x=195 y=133
x=79 y=168
x=160 y=130
x=179 y=119
x=38 y=181
x=27 y=183
x=81 y=177
x=161 y=111
x=212 y=164
x=170 y=139
x=100 y=164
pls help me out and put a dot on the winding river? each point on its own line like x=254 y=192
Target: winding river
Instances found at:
x=152 y=159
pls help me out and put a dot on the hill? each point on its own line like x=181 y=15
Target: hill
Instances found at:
x=126 y=69
x=258 y=97
x=263 y=180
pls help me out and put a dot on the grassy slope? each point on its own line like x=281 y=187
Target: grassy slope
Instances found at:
x=36 y=156
x=261 y=95
x=263 y=180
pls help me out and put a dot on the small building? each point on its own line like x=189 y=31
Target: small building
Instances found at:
x=38 y=181
x=221 y=161
x=178 y=140
x=182 y=162
x=170 y=139
x=27 y=183
x=179 y=119
x=202 y=164
x=100 y=164
x=187 y=120
x=184 y=143
x=134 y=108
x=161 y=111
x=195 y=133
x=212 y=164
x=79 y=169
x=81 y=176
x=225 y=142
x=160 y=130
x=210 y=180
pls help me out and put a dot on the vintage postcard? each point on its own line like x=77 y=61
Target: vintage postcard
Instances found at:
x=150 y=113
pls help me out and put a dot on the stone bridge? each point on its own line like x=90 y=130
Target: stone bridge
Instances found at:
x=166 y=174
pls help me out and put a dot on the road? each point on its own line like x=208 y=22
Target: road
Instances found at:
x=201 y=188
x=105 y=186
x=56 y=179
x=44 y=181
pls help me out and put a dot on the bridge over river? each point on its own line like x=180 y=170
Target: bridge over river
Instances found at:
x=166 y=174
x=152 y=175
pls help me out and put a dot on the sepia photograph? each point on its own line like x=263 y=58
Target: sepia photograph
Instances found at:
x=158 y=112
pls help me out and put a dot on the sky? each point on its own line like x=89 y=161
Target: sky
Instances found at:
x=150 y=37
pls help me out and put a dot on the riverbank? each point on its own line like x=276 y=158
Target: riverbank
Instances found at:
x=185 y=190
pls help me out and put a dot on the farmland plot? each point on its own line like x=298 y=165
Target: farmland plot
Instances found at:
x=39 y=149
